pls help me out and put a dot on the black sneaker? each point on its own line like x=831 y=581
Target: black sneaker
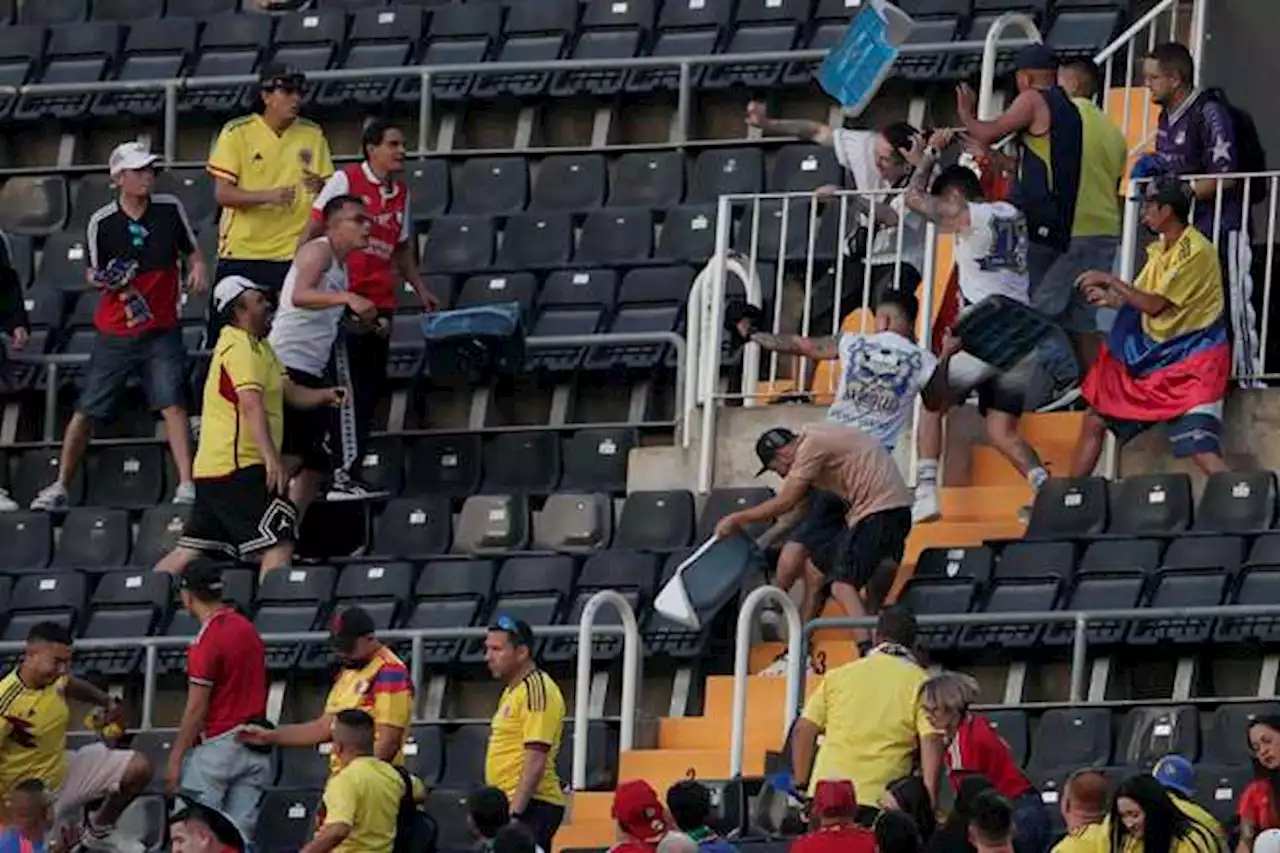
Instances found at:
x=347 y=488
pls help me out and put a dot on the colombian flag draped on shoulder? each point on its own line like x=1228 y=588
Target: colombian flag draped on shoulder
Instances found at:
x=1155 y=368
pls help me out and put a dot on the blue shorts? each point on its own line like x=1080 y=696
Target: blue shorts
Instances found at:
x=1197 y=431
x=1053 y=280
x=158 y=358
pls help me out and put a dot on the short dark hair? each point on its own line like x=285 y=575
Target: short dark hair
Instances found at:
x=903 y=299
x=30 y=786
x=490 y=811
x=358 y=727
x=1176 y=194
x=1174 y=58
x=375 y=132
x=337 y=203
x=899 y=135
x=961 y=177
x=1088 y=69
x=49 y=632
x=518 y=631
x=991 y=818
x=690 y=804
x=896 y=832
x=897 y=624
x=514 y=838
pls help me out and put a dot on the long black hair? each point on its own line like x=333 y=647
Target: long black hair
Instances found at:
x=1163 y=822
x=1271 y=777
x=896 y=832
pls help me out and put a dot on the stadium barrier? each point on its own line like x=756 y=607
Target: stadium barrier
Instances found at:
x=584 y=631
x=797 y=664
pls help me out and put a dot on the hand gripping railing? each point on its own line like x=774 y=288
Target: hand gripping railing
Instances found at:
x=796 y=642
x=630 y=675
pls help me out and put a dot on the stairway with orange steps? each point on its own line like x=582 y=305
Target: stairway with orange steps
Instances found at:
x=698 y=747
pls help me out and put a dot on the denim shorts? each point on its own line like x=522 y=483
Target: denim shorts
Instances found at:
x=226 y=775
x=158 y=358
x=1053 y=280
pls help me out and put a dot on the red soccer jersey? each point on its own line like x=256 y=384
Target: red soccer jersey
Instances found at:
x=227 y=656
x=1255 y=806
x=836 y=839
x=977 y=748
x=371 y=271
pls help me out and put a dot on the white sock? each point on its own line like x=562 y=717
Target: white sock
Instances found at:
x=1037 y=477
x=927 y=475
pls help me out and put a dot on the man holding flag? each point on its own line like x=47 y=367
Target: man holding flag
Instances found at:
x=1167 y=359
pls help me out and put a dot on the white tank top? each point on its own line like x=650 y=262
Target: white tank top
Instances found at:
x=991 y=255
x=303 y=337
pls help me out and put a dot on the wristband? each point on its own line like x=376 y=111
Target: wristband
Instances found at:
x=930 y=152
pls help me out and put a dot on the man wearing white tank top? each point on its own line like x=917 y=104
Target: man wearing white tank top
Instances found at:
x=991 y=245
x=312 y=304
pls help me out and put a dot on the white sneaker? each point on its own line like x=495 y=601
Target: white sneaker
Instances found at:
x=346 y=488
x=185 y=493
x=778 y=668
x=1024 y=514
x=926 y=508
x=52 y=498
x=8 y=504
x=1063 y=399
x=111 y=841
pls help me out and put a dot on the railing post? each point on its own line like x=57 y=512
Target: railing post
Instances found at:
x=50 y=399
x=742 y=660
x=582 y=690
x=416 y=666
x=424 y=113
x=990 y=52
x=1079 y=657
x=171 y=122
x=684 y=101
x=711 y=349
x=149 y=686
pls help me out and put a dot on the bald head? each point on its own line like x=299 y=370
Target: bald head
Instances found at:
x=677 y=842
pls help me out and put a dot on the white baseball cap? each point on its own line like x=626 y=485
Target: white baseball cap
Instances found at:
x=228 y=290
x=131 y=155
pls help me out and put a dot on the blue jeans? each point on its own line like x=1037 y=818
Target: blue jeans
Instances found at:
x=1032 y=825
x=226 y=775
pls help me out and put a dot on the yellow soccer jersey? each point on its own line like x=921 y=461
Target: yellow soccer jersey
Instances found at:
x=531 y=712
x=249 y=154
x=33 y=733
x=240 y=363
x=365 y=795
x=382 y=689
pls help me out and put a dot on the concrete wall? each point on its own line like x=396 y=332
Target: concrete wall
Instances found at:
x=1240 y=56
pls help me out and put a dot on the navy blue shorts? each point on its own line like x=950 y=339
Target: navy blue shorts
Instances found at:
x=158 y=358
x=1197 y=431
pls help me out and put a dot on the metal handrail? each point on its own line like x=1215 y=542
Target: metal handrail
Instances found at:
x=630 y=675
x=796 y=638
x=1133 y=30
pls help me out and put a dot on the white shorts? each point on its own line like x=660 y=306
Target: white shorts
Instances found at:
x=93 y=772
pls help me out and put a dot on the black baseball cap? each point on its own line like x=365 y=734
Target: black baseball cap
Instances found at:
x=222 y=827
x=276 y=74
x=1035 y=57
x=517 y=629
x=202 y=578
x=1170 y=190
x=769 y=443
x=349 y=625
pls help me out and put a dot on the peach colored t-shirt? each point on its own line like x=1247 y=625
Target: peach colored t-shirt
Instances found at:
x=851 y=464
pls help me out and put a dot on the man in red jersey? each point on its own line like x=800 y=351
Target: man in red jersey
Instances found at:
x=374 y=273
x=835 y=822
x=640 y=817
x=227 y=690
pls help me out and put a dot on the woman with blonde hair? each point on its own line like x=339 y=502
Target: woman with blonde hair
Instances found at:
x=973 y=746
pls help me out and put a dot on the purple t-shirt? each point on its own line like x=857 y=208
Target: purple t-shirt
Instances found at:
x=1198 y=138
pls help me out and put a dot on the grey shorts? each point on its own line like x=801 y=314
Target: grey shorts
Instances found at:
x=999 y=391
x=1053 y=280
x=157 y=357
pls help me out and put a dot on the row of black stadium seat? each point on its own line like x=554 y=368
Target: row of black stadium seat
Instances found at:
x=388 y=37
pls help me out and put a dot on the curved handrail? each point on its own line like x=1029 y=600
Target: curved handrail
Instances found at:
x=986 y=93
x=796 y=640
x=582 y=690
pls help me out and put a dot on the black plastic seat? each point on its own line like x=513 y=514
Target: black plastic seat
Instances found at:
x=123 y=605
x=1237 y=502
x=1014 y=728
x=533 y=241
x=1023 y=595
x=446 y=465
x=633 y=574
x=1069 y=506
x=522 y=463
x=1222 y=732
x=726 y=171
x=615 y=237
x=649 y=300
x=610 y=30
x=1149 y=734
x=723 y=501
x=1024 y=560
x=673 y=640
x=570 y=303
x=94 y=539
x=531 y=589
x=37 y=206
x=383 y=590
x=1082 y=32
x=688 y=235
x=491 y=185
x=428 y=183
x=135 y=11
x=572 y=182
x=229 y=44
x=1098 y=591
x=532 y=32
x=37 y=469
x=200 y=8
x=497 y=288
x=804 y=221
x=1070 y=738
x=303 y=767
x=935 y=597
x=1152 y=503
x=156 y=49
x=42 y=597
x=287 y=820
x=54 y=12
x=91 y=192
x=804 y=167
x=451 y=594
x=289 y=601
x=826 y=30
x=464 y=751
x=159 y=529
x=492 y=524
x=459 y=244
x=656 y=521
x=1259 y=585
x=685 y=28
x=1265 y=550
x=458 y=34
x=1226 y=783
x=595 y=460
x=942 y=26
x=1180 y=589
x=1122 y=555
x=28 y=538
x=424 y=753
x=21 y=49
x=126 y=476
x=448 y=808
x=379 y=39
x=971 y=563
x=309 y=41
x=760 y=26
x=413 y=528
x=652 y=179
x=1204 y=552
x=77 y=53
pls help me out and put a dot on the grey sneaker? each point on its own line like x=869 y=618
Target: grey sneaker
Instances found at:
x=52 y=498
x=8 y=504
x=185 y=493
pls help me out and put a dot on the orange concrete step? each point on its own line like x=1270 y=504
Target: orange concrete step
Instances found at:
x=990 y=468
x=983 y=503
x=590 y=807
x=1051 y=428
x=662 y=768
x=766 y=699
x=1139 y=98
x=950 y=534
x=595 y=833
x=699 y=733
x=830 y=647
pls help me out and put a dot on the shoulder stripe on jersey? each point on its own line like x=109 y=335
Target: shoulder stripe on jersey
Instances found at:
x=537 y=690
x=13 y=692
x=91 y=229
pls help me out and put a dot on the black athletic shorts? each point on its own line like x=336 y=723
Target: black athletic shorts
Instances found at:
x=877 y=541
x=821 y=527
x=306 y=431
x=236 y=516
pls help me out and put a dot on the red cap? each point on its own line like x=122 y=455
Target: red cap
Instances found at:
x=834 y=798
x=639 y=812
